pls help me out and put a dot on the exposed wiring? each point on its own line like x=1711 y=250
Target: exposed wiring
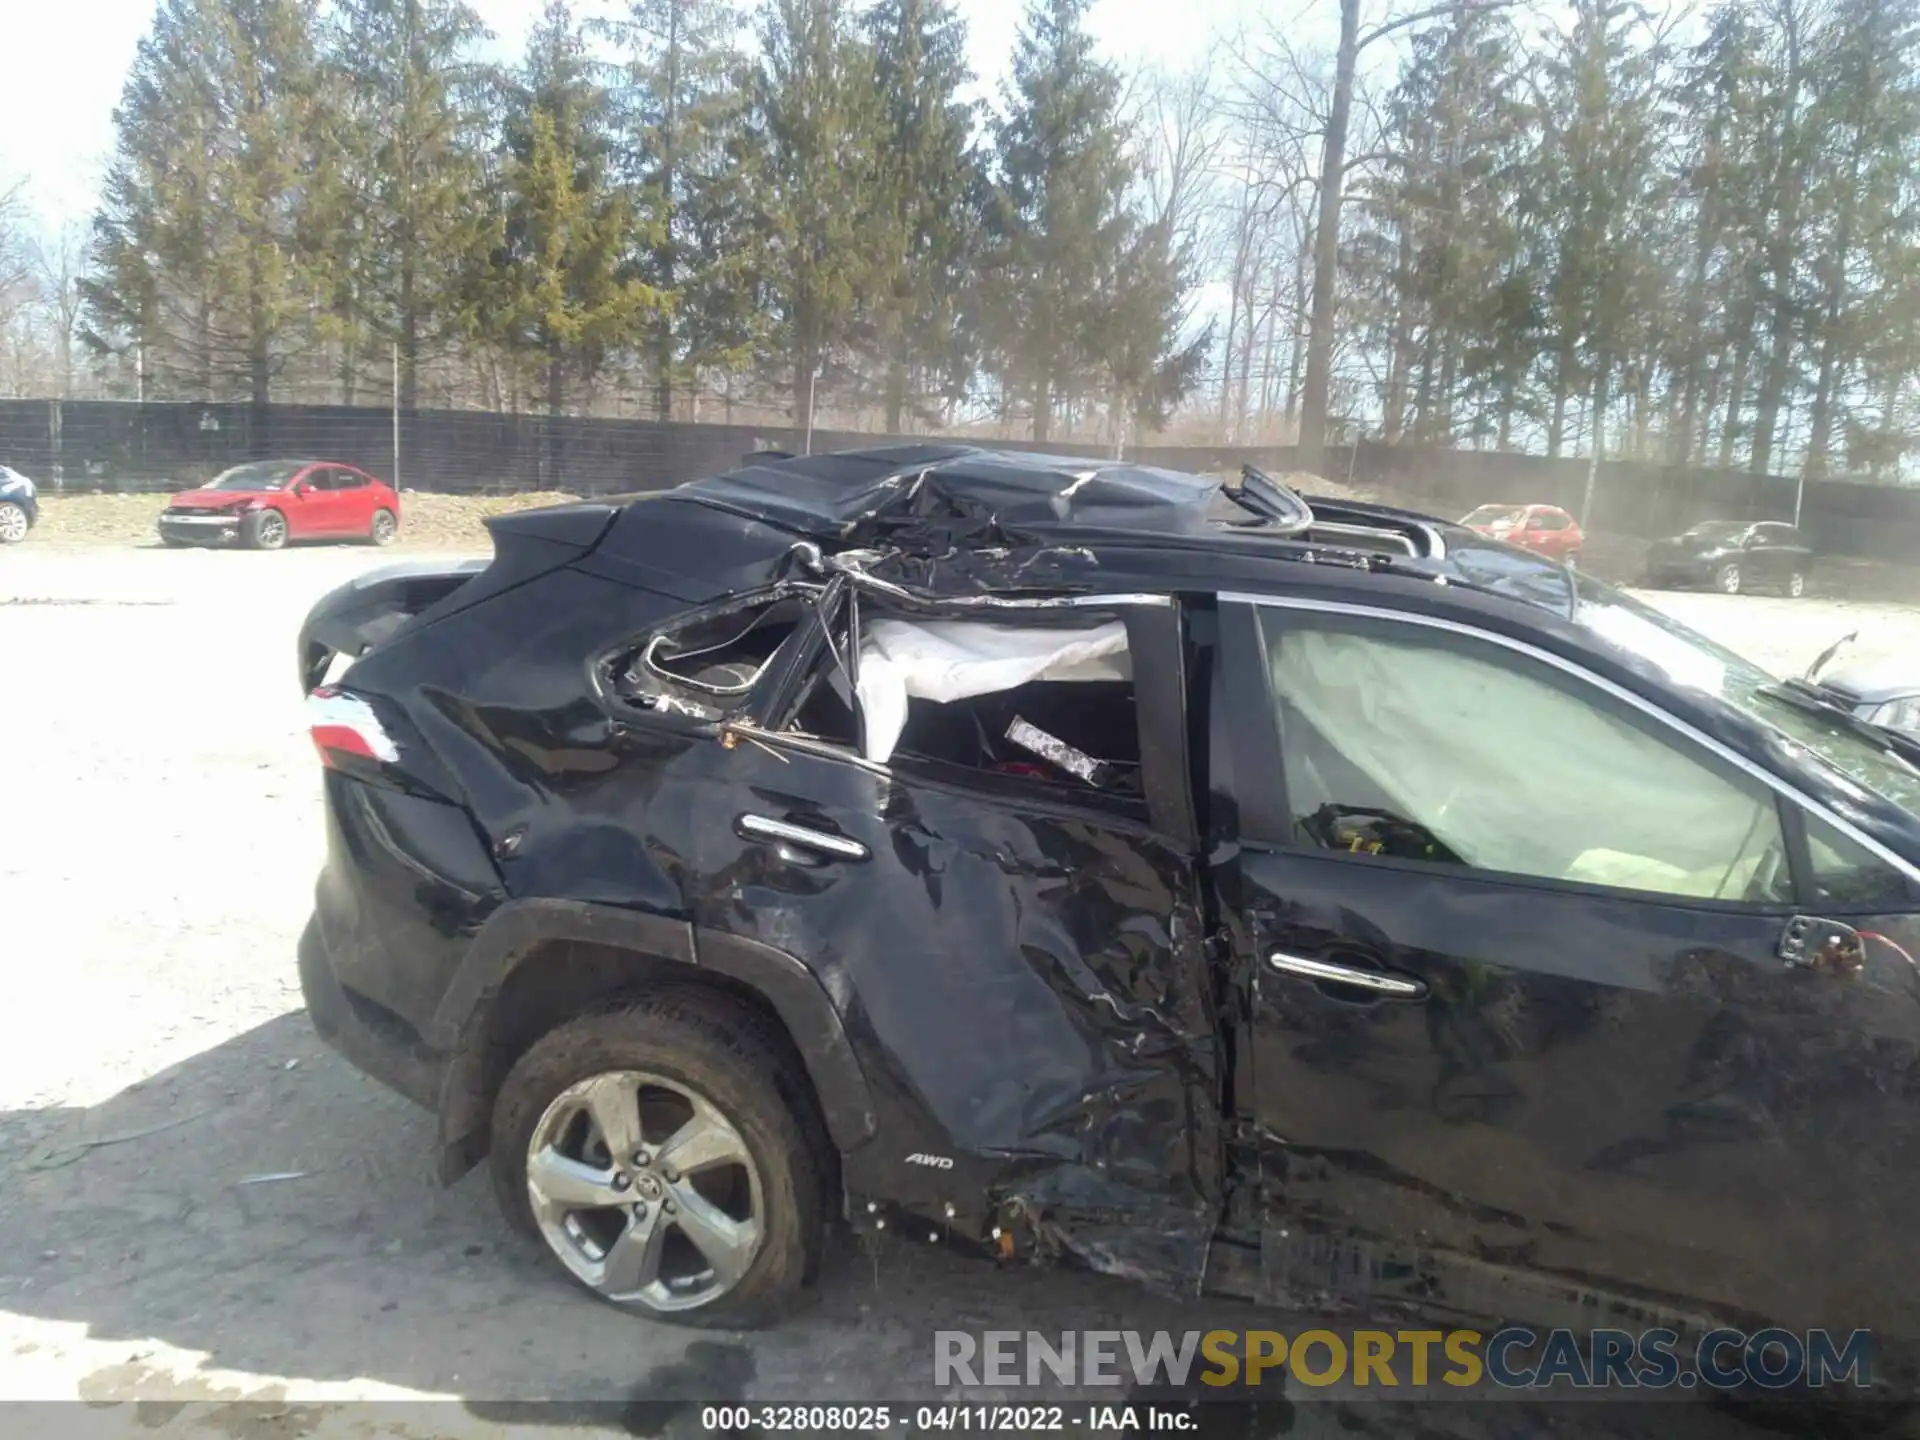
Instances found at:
x=1892 y=945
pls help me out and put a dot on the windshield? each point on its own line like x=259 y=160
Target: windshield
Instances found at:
x=1724 y=532
x=260 y=475
x=1494 y=514
x=1688 y=658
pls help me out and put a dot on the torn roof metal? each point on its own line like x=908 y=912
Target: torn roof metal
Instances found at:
x=966 y=495
x=947 y=519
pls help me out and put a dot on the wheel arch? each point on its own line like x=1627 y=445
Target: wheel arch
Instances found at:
x=538 y=962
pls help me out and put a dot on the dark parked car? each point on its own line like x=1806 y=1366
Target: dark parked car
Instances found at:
x=19 y=506
x=1324 y=904
x=1733 y=556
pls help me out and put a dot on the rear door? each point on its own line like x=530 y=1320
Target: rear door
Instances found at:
x=1781 y=551
x=1520 y=1009
x=1025 y=963
x=354 y=499
x=315 y=510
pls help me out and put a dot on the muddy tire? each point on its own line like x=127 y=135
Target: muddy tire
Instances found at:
x=264 y=530
x=586 y=1131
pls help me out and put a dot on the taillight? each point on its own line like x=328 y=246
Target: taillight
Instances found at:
x=343 y=724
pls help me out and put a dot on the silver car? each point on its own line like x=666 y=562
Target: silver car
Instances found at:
x=1885 y=692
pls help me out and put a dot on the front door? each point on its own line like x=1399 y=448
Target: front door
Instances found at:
x=1521 y=1021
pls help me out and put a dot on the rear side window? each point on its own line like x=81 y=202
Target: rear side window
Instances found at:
x=1407 y=744
x=1549 y=520
x=1047 y=702
x=347 y=480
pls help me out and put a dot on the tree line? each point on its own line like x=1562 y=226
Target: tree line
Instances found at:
x=1684 y=237
x=671 y=203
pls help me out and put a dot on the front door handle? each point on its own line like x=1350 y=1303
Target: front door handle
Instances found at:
x=783 y=832
x=1326 y=972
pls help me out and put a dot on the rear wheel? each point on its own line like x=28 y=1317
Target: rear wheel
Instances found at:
x=1727 y=579
x=1796 y=585
x=662 y=1154
x=385 y=526
x=264 y=530
x=13 y=522
x=1573 y=560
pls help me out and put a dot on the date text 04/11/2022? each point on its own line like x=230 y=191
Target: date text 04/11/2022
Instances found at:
x=1014 y=1419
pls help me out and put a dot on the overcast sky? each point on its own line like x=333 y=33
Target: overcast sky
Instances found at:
x=62 y=63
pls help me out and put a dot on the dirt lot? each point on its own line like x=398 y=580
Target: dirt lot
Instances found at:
x=199 y=1205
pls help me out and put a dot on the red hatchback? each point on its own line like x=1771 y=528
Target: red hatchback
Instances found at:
x=1544 y=529
x=264 y=504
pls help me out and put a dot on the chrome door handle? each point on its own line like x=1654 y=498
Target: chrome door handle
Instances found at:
x=761 y=827
x=1327 y=971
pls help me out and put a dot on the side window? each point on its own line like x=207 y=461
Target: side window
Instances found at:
x=1416 y=745
x=1047 y=701
x=346 y=480
x=1845 y=873
x=1549 y=520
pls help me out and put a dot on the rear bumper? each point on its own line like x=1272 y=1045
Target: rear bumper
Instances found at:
x=369 y=1037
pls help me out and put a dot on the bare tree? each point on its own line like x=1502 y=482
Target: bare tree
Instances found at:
x=56 y=272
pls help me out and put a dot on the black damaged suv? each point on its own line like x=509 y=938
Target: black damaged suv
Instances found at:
x=1302 y=899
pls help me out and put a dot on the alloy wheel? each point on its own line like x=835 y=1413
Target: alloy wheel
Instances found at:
x=384 y=526
x=13 y=523
x=645 y=1190
x=1796 y=585
x=1729 y=579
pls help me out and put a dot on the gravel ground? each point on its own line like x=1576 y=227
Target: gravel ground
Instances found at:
x=203 y=1211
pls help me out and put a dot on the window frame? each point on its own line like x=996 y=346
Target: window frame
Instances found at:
x=1154 y=637
x=1265 y=813
x=774 y=672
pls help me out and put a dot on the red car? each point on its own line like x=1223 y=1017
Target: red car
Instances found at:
x=1544 y=529
x=264 y=504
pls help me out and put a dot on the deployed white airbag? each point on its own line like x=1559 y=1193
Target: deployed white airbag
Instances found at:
x=948 y=660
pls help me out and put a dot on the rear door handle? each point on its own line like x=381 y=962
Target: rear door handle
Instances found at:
x=763 y=827
x=1325 y=971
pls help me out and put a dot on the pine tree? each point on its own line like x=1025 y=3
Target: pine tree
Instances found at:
x=928 y=203
x=676 y=111
x=564 y=285
x=1058 y=222
x=195 y=254
x=404 y=155
x=1598 y=172
x=812 y=157
x=1867 y=116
